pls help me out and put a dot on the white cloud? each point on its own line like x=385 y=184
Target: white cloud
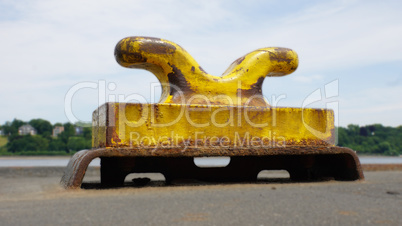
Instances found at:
x=367 y=106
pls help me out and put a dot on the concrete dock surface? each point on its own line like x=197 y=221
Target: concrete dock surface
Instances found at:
x=33 y=196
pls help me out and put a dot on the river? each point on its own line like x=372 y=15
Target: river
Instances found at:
x=215 y=161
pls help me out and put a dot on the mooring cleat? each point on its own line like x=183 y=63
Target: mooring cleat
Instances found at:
x=202 y=115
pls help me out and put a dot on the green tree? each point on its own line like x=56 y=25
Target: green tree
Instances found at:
x=68 y=132
x=87 y=133
x=343 y=138
x=77 y=143
x=375 y=139
x=27 y=143
x=58 y=124
x=42 y=126
x=353 y=130
x=384 y=146
x=11 y=128
x=57 y=145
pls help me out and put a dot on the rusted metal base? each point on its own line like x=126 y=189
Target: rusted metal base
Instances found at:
x=302 y=163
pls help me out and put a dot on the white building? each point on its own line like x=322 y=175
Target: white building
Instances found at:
x=26 y=129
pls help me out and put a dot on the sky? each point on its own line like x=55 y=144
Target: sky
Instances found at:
x=57 y=62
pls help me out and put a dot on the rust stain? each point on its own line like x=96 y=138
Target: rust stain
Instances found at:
x=280 y=55
x=239 y=60
x=125 y=55
x=179 y=81
x=202 y=69
x=164 y=48
x=332 y=157
x=111 y=131
x=255 y=92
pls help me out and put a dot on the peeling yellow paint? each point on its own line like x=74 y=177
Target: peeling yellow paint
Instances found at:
x=198 y=109
x=182 y=77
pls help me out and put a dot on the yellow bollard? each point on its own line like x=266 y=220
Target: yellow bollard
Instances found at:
x=204 y=115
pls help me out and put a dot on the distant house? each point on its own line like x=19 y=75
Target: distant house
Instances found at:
x=1 y=132
x=57 y=130
x=79 y=130
x=26 y=129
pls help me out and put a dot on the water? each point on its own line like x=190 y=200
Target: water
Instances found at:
x=201 y=162
x=39 y=161
x=380 y=160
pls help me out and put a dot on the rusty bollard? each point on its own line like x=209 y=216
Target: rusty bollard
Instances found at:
x=202 y=115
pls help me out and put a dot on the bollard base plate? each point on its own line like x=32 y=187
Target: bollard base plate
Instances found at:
x=302 y=163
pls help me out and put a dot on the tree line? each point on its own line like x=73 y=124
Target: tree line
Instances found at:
x=370 y=139
x=68 y=141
